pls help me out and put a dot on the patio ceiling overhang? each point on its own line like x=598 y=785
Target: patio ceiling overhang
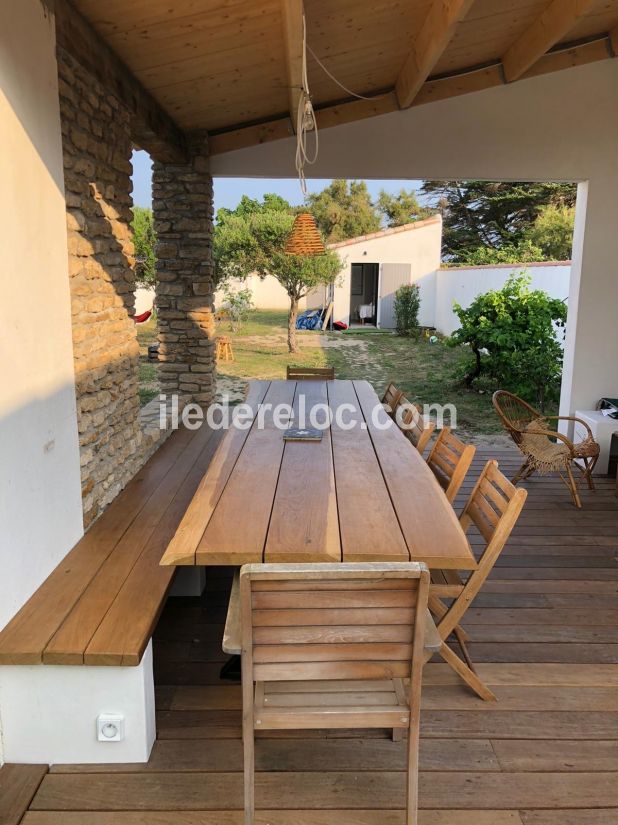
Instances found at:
x=233 y=69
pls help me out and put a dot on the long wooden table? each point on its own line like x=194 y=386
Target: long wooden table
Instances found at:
x=360 y=494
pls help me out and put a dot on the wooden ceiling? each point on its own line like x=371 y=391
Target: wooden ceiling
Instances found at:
x=231 y=67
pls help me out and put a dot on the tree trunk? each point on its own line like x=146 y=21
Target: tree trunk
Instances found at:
x=292 y=347
x=477 y=367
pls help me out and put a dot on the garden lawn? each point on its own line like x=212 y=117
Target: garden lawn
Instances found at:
x=148 y=370
x=427 y=373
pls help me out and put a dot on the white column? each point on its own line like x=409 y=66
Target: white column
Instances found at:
x=591 y=351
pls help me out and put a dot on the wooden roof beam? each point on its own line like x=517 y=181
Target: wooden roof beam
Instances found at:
x=429 y=45
x=548 y=29
x=293 y=33
x=151 y=127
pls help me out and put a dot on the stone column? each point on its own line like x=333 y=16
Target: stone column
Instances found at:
x=183 y=212
x=97 y=146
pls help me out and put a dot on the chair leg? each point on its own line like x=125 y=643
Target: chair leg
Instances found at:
x=248 y=742
x=412 y=778
x=526 y=470
x=572 y=485
x=462 y=638
x=469 y=677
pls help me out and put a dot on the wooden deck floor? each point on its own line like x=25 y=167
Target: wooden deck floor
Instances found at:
x=545 y=635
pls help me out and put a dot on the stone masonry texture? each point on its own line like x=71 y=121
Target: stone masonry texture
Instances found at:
x=97 y=151
x=183 y=212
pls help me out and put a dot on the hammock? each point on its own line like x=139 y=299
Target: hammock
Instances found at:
x=139 y=319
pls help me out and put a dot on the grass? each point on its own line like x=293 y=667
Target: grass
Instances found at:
x=148 y=370
x=426 y=372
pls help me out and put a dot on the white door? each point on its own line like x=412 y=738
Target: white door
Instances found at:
x=392 y=277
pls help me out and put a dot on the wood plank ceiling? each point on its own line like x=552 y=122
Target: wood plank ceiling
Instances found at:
x=225 y=65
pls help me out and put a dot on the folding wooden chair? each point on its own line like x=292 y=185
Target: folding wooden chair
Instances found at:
x=329 y=646
x=391 y=397
x=493 y=508
x=449 y=460
x=310 y=373
x=409 y=417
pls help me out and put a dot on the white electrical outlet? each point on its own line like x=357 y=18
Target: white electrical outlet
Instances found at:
x=110 y=727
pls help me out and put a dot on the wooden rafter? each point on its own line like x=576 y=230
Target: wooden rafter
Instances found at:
x=152 y=128
x=548 y=29
x=429 y=45
x=431 y=91
x=293 y=40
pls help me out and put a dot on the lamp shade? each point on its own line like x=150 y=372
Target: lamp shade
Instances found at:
x=304 y=239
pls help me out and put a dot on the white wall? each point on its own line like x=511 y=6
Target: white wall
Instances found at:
x=463 y=284
x=144 y=299
x=560 y=126
x=40 y=492
x=267 y=293
x=418 y=246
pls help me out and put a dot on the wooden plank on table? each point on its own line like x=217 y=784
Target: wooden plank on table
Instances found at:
x=124 y=633
x=69 y=643
x=24 y=639
x=428 y=522
x=236 y=532
x=18 y=785
x=182 y=547
x=367 y=521
x=378 y=790
x=304 y=522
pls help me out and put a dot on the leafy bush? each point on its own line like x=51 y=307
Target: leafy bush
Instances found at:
x=407 y=304
x=512 y=334
x=145 y=240
x=238 y=305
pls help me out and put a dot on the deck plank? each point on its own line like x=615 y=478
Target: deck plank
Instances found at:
x=18 y=785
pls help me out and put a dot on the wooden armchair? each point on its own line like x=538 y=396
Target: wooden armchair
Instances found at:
x=329 y=646
x=409 y=417
x=450 y=460
x=545 y=450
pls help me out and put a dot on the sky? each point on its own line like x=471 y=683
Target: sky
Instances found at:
x=228 y=191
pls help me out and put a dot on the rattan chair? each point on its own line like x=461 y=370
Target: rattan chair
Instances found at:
x=545 y=450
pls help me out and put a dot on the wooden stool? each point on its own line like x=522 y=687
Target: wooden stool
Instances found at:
x=224 y=350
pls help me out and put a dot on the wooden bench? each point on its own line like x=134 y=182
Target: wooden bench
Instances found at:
x=99 y=607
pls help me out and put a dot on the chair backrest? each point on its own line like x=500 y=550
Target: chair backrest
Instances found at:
x=514 y=412
x=409 y=418
x=493 y=507
x=310 y=373
x=449 y=460
x=331 y=622
x=391 y=398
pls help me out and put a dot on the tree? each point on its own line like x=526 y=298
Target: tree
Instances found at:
x=145 y=240
x=490 y=214
x=552 y=232
x=344 y=210
x=402 y=208
x=250 y=240
x=511 y=333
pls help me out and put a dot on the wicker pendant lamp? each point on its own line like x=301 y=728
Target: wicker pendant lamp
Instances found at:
x=304 y=239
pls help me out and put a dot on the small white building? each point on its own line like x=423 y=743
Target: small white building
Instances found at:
x=376 y=265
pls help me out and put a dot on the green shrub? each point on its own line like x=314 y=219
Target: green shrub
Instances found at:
x=512 y=336
x=407 y=304
x=238 y=305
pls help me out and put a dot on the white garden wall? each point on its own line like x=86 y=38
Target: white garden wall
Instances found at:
x=462 y=285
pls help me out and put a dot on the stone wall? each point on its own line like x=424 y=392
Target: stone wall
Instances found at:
x=183 y=211
x=97 y=151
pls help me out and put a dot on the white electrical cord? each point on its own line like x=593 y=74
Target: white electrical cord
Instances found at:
x=305 y=122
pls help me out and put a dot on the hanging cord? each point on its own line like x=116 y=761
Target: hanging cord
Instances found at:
x=341 y=86
x=305 y=122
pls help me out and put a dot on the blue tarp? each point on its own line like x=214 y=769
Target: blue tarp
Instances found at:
x=311 y=319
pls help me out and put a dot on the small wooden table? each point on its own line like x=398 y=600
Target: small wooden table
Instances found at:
x=360 y=494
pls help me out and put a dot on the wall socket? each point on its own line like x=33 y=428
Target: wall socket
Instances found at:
x=110 y=727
